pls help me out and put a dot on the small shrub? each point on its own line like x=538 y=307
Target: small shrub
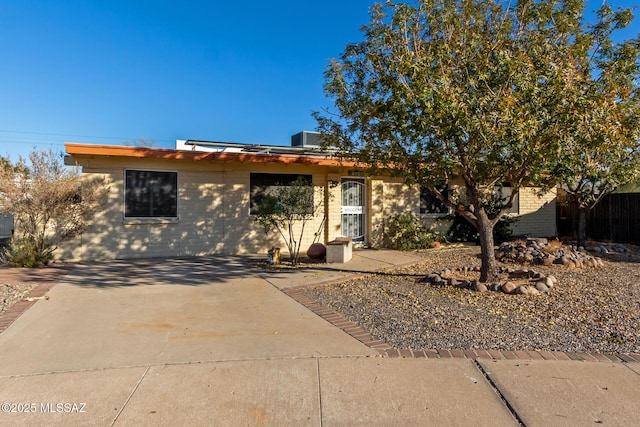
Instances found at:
x=406 y=232
x=26 y=253
x=461 y=230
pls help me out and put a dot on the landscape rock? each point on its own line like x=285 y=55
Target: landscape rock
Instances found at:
x=509 y=287
x=622 y=249
x=541 y=252
x=542 y=287
x=481 y=287
x=432 y=278
x=495 y=287
x=531 y=253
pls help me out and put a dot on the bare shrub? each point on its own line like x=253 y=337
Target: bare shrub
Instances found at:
x=50 y=202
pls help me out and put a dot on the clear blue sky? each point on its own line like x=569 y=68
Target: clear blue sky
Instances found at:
x=113 y=71
x=116 y=70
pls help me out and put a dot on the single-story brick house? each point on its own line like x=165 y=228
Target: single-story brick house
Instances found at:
x=200 y=199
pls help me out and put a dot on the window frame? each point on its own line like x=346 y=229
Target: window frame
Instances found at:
x=150 y=219
x=294 y=176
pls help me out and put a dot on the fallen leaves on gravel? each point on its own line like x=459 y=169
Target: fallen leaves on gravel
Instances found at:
x=591 y=310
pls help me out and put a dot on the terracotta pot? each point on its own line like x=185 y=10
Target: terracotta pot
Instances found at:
x=317 y=252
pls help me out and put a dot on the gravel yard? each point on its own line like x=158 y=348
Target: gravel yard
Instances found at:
x=10 y=293
x=589 y=310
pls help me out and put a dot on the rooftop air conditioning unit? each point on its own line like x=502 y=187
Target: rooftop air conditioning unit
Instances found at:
x=306 y=139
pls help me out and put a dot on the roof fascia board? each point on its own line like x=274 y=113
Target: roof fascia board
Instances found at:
x=93 y=150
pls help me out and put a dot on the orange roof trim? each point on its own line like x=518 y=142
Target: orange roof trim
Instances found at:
x=92 y=150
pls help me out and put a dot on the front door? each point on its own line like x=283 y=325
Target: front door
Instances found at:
x=353 y=209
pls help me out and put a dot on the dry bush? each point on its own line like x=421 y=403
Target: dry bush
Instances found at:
x=553 y=246
x=50 y=202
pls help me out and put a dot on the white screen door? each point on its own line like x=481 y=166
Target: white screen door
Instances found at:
x=353 y=209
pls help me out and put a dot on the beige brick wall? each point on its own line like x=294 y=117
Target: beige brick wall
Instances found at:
x=376 y=212
x=389 y=197
x=213 y=213
x=213 y=210
x=536 y=214
x=197 y=231
x=333 y=227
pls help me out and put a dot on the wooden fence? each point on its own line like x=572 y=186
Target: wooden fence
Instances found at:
x=616 y=218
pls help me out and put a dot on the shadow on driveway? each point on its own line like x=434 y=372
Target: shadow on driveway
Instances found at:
x=192 y=271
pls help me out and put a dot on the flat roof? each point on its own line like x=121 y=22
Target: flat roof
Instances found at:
x=252 y=156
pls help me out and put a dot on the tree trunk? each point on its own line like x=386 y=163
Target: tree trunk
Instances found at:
x=489 y=267
x=582 y=226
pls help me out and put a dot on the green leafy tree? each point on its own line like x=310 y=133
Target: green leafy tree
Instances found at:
x=50 y=202
x=289 y=209
x=481 y=90
x=604 y=152
x=462 y=231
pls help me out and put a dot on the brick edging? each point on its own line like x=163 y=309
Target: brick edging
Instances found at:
x=386 y=350
x=17 y=309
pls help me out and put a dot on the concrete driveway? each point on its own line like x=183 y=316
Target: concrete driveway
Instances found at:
x=215 y=341
x=172 y=311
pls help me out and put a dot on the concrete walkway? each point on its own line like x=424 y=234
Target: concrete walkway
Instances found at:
x=215 y=341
